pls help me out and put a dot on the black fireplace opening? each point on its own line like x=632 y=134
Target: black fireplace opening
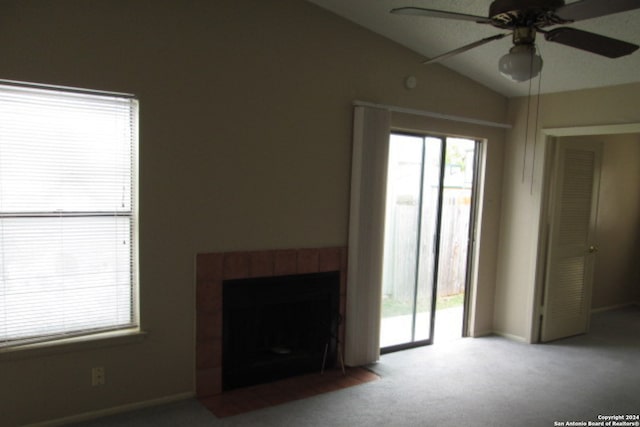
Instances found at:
x=277 y=327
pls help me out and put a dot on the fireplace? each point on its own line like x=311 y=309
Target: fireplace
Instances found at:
x=277 y=327
x=218 y=273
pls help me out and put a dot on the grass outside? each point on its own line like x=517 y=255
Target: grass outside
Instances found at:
x=450 y=301
x=393 y=307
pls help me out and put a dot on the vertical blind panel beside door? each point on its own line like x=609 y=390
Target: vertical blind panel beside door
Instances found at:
x=67 y=213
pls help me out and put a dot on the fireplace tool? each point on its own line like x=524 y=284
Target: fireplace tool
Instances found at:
x=334 y=336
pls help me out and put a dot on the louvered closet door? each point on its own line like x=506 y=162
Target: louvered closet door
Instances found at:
x=569 y=272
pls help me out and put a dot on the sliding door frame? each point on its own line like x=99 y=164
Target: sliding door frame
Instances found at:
x=471 y=239
x=471 y=245
x=436 y=256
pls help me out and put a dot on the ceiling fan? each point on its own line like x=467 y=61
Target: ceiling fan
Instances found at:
x=524 y=19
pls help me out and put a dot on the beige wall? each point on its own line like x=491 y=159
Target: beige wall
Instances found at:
x=245 y=144
x=522 y=195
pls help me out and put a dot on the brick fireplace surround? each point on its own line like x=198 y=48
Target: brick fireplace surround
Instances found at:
x=214 y=268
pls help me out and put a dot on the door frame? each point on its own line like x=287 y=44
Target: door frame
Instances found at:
x=472 y=236
x=551 y=136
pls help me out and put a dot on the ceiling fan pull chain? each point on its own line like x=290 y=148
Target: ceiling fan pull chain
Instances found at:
x=535 y=140
x=526 y=130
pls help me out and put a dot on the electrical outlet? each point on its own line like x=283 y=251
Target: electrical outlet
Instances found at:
x=97 y=376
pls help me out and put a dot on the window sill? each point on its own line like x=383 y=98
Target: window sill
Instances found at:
x=67 y=345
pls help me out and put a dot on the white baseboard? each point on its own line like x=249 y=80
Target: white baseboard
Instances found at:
x=479 y=334
x=511 y=336
x=612 y=307
x=85 y=416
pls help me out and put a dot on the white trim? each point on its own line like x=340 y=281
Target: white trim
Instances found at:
x=80 y=343
x=66 y=89
x=593 y=130
x=431 y=114
x=484 y=333
x=511 y=337
x=85 y=416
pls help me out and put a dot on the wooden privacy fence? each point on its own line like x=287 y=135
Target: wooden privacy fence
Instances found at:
x=401 y=242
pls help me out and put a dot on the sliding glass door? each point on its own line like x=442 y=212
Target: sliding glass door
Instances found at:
x=416 y=181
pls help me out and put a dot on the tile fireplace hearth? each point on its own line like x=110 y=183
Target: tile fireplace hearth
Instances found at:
x=213 y=270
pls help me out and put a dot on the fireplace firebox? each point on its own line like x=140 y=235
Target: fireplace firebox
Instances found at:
x=279 y=326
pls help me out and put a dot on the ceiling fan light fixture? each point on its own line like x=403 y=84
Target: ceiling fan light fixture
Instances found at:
x=522 y=63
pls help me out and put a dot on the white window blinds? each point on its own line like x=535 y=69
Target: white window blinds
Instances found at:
x=371 y=128
x=67 y=213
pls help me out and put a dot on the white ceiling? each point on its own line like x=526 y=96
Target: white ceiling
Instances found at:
x=564 y=68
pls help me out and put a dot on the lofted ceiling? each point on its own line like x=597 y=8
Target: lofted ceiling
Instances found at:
x=564 y=68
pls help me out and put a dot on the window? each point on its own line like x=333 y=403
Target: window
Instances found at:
x=67 y=213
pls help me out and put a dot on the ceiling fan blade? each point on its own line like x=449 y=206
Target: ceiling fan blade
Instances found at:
x=465 y=48
x=586 y=9
x=419 y=11
x=591 y=42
